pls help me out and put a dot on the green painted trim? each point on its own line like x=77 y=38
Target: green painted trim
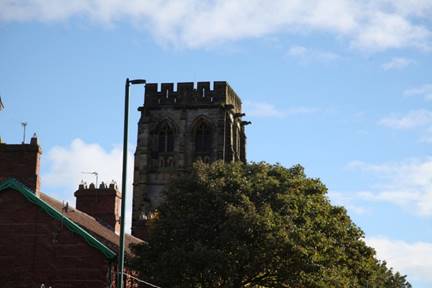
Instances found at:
x=72 y=226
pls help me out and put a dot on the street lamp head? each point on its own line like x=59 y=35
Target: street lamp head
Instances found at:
x=137 y=81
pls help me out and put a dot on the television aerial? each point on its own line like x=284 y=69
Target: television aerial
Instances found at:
x=92 y=173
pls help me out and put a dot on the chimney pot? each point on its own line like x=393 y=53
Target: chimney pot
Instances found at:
x=34 y=140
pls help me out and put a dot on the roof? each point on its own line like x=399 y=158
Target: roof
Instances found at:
x=14 y=184
x=107 y=236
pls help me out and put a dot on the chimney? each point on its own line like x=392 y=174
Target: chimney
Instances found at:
x=102 y=203
x=21 y=161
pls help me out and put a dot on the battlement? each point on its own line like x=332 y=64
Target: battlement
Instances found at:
x=190 y=93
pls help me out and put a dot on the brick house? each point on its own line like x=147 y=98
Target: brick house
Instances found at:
x=44 y=241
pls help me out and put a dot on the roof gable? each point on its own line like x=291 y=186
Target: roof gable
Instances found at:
x=91 y=225
x=74 y=228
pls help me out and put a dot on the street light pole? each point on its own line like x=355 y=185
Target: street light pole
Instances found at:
x=120 y=271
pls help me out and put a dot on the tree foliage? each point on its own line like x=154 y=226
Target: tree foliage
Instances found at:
x=256 y=225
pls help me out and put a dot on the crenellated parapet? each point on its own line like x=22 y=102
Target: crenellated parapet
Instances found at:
x=191 y=94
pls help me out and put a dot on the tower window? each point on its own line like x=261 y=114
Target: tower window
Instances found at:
x=166 y=139
x=202 y=138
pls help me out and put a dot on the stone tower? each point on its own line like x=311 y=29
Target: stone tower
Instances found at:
x=180 y=125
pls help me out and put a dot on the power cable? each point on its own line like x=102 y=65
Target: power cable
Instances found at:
x=141 y=281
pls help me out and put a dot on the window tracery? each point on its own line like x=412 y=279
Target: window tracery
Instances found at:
x=165 y=139
x=202 y=140
x=162 y=143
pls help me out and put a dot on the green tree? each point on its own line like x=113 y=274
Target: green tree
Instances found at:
x=256 y=225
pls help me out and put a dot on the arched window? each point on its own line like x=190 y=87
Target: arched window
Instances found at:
x=202 y=138
x=165 y=139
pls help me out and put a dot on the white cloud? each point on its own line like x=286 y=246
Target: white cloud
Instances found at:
x=424 y=91
x=385 y=30
x=309 y=55
x=397 y=63
x=407 y=184
x=370 y=24
x=411 y=259
x=412 y=7
x=66 y=164
x=412 y=119
x=263 y=109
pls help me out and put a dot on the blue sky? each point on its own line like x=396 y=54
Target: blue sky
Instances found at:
x=342 y=87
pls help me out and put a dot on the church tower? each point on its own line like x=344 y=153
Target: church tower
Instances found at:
x=180 y=125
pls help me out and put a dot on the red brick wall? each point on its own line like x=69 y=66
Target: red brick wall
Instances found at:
x=21 y=161
x=35 y=249
x=102 y=203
